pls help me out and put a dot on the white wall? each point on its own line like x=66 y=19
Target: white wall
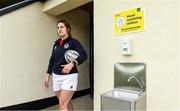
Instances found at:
x=163 y=84
x=178 y=34
x=26 y=42
x=157 y=46
x=0 y=61
x=79 y=21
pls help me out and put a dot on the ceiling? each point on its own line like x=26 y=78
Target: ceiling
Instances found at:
x=88 y=7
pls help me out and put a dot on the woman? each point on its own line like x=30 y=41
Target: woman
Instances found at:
x=63 y=69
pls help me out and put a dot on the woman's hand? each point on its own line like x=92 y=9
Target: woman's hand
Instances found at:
x=67 y=68
x=46 y=81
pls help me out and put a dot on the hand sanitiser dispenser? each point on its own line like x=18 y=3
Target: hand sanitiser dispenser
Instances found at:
x=126 y=46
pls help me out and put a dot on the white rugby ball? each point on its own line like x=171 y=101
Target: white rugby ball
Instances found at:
x=71 y=55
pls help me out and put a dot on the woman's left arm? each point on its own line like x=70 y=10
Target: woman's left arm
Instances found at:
x=82 y=53
x=82 y=57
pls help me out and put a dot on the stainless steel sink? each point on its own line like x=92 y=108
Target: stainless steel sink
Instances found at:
x=129 y=88
x=125 y=94
x=123 y=99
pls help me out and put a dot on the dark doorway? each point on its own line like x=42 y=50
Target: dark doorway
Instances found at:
x=89 y=8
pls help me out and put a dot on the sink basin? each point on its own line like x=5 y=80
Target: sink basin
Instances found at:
x=123 y=99
x=126 y=95
x=123 y=94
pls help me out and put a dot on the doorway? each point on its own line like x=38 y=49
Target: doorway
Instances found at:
x=81 y=20
x=89 y=9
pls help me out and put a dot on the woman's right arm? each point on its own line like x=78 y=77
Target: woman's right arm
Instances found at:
x=51 y=62
x=49 y=71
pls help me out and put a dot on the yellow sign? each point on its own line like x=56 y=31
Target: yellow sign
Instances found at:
x=131 y=20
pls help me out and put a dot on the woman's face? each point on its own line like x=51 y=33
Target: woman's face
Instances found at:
x=62 y=30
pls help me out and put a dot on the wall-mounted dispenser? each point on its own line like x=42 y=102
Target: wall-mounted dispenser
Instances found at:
x=126 y=46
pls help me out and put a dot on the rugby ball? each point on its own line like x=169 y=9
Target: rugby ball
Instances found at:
x=71 y=55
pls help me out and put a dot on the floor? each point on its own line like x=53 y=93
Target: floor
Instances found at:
x=80 y=103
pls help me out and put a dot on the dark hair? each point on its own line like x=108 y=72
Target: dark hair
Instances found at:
x=67 y=25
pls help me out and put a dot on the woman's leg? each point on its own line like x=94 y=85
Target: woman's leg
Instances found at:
x=65 y=100
x=58 y=93
x=70 y=106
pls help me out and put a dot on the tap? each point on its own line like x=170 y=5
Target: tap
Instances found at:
x=140 y=84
